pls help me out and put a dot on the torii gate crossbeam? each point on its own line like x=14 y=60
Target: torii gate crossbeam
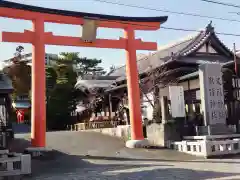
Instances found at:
x=39 y=38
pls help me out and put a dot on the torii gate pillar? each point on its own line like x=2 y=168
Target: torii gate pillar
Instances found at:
x=133 y=86
x=38 y=120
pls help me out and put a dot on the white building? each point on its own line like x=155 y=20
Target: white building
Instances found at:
x=49 y=59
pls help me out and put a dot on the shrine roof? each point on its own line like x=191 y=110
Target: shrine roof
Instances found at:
x=196 y=73
x=175 y=51
x=14 y=5
x=21 y=104
x=5 y=83
x=90 y=82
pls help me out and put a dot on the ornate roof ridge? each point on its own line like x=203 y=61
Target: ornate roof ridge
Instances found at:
x=195 y=45
x=208 y=32
x=223 y=44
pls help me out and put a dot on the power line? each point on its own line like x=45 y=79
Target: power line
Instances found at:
x=167 y=11
x=162 y=27
x=237 y=13
x=221 y=3
x=172 y=28
x=192 y=30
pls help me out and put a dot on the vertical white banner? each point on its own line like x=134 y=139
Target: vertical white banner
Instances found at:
x=176 y=94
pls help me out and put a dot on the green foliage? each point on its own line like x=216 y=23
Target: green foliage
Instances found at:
x=62 y=96
x=51 y=77
x=60 y=105
x=61 y=99
x=90 y=66
x=60 y=84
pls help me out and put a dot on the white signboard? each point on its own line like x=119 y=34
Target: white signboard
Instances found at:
x=212 y=96
x=198 y=96
x=177 y=101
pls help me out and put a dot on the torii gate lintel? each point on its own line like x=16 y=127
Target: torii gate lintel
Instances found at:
x=49 y=39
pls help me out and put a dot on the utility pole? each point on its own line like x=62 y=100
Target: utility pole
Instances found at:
x=235 y=103
x=235 y=59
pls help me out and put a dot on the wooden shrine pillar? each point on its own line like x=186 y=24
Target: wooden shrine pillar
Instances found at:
x=110 y=106
x=164 y=109
x=133 y=86
x=38 y=115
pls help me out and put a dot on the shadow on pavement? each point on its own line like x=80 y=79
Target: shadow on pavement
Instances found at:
x=154 y=160
x=19 y=145
x=62 y=166
x=21 y=128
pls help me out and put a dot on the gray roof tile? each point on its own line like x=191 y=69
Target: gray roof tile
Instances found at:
x=154 y=60
x=172 y=51
x=5 y=82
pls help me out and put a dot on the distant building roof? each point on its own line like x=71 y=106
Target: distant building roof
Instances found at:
x=27 y=57
x=175 y=51
x=5 y=83
x=21 y=105
x=90 y=82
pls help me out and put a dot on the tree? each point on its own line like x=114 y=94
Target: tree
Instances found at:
x=155 y=79
x=20 y=74
x=62 y=95
x=87 y=66
x=51 y=78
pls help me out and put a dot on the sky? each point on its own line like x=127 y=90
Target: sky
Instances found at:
x=117 y=57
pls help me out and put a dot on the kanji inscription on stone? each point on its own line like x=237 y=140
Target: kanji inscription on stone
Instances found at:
x=212 y=97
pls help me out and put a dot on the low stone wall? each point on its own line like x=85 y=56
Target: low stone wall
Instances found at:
x=158 y=134
x=123 y=132
x=162 y=134
x=93 y=125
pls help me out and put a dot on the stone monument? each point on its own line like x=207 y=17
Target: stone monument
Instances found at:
x=212 y=100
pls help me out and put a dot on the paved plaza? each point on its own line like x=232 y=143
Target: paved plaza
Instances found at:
x=93 y=156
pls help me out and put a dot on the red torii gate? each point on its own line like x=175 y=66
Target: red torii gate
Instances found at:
x=39 y=38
